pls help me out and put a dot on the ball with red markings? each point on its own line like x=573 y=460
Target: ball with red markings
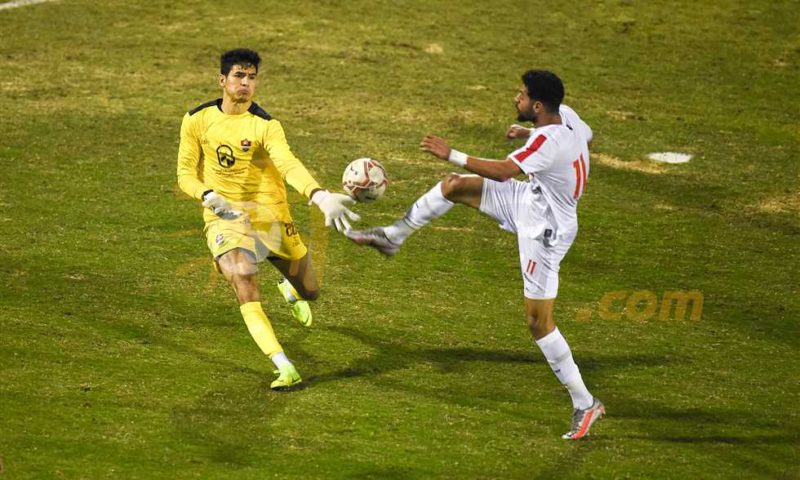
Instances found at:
x=365 y=180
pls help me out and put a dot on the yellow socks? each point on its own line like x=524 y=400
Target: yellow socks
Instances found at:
x=260 y=328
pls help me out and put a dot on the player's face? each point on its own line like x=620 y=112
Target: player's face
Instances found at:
x=527 y=109
x=240 y=83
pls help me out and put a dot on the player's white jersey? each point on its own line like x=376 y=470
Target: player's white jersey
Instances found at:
x=556 y=160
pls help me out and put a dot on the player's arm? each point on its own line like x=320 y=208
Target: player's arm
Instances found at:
x=189 y=160
x=500 y=170
x=332 y=205
x=188 y=178
x=289 y=166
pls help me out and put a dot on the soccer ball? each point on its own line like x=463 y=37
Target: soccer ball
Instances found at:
x=365 y=180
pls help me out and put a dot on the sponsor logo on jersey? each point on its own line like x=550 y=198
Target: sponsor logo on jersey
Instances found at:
x=246 y=144
x=225 y=156
x=220 y=239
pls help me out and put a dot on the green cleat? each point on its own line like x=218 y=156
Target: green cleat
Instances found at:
x=301 y=310
x=287 y=379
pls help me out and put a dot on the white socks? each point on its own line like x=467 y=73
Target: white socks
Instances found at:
x=558 y=355
x=428 y=207
x=280 y=360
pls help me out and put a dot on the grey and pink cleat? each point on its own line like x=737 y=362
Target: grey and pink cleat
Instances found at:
x=375 y=238
x=582 y=420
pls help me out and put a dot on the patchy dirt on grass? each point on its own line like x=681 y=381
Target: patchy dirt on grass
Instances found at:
x=789 y=203
x=648 y=167
x=434 y=49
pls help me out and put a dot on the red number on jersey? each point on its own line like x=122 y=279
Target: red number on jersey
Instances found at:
x=580 y=177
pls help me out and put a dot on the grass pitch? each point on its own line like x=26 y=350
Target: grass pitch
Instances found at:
x=123 y=356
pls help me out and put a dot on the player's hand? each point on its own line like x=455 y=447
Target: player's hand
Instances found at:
x=334 y=207
x=435 y=146
x=220 y=206
x=517 y=131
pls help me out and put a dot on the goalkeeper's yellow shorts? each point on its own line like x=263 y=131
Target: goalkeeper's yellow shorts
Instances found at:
x=263 y=239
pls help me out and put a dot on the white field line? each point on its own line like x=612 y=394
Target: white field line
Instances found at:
x=21 y=3
x=670 y=157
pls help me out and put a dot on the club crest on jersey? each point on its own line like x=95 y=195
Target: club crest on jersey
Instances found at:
x=225 y=156
x=246 y=144
x=220 y=239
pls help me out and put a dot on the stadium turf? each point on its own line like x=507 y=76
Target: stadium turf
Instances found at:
x=123 y=355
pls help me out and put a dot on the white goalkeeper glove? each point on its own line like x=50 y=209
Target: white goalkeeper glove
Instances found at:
x=220 y=206
x=334 y=207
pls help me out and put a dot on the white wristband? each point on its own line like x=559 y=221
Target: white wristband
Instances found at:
x=457 y=158
x=318 y=197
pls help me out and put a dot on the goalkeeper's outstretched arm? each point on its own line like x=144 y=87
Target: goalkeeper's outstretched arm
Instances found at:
x=333 y=205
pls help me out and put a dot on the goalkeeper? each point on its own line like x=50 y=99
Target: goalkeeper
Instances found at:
x=233 y=157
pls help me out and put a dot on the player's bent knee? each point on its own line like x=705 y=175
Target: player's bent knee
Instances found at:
x=464 y=189
x=451 y=185
x=457 y=187
x=540 y=325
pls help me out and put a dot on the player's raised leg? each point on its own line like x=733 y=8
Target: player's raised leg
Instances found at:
x=463 y=189
x=298 y=286
x=240 y=269
x=586 y=408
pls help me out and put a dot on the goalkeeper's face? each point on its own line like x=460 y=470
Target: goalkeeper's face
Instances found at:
x=239 y=85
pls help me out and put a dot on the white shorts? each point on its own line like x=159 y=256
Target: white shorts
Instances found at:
x=513 y=204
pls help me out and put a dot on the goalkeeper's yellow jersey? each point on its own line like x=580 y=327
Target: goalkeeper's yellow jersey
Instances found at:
x=244 y=158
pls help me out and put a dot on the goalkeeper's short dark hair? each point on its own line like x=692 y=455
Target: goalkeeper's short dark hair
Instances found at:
x=546 y=87
x=243 y=57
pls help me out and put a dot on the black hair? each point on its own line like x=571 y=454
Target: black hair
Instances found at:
x=243 y=57
x=546 y=87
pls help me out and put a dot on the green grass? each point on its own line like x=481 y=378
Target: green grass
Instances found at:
x=123 y=356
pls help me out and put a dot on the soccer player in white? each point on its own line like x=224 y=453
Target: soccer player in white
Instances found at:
x=542 y=211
